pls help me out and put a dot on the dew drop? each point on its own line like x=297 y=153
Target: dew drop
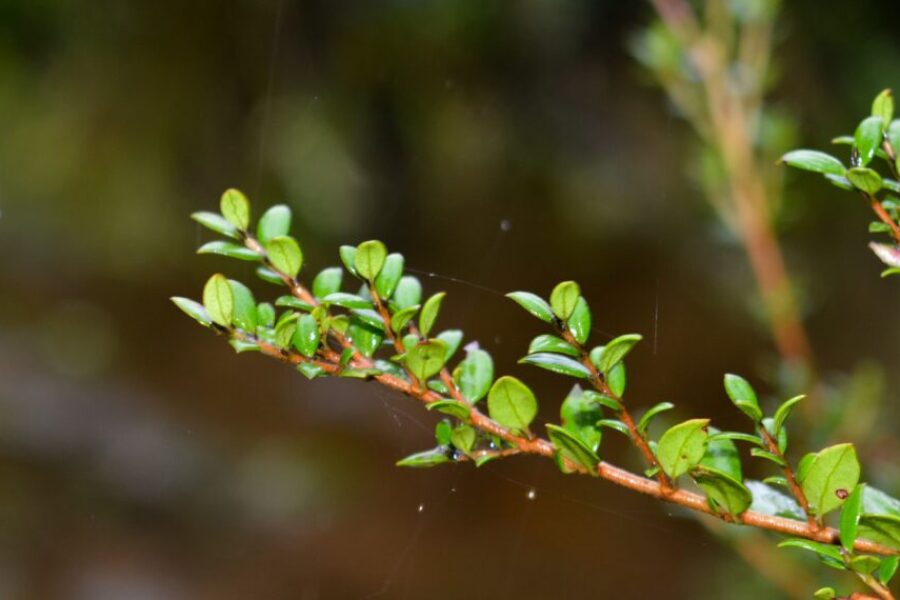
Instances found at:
x=532 y=494
x=505 y=225
x=421 y=507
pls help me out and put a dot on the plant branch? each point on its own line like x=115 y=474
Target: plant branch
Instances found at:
x=796 y=490
x=617 y=475
x=637 y=438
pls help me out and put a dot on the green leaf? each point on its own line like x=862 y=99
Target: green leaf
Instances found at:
x=463 y=438
x=843 y=140
x=652 y=412
x=580 y=321
x=241 y=346
x=571 y=447
x=265 y=314
x=511 y=403
x=616 y=379
x=534 y=304
x=370 y=258
x=401 y=318
x=365 y=338
x=615 y=425
x=348 y=257
x=603 y=400
x=244 y=316
x=682 y=447
x=408 y=292
x=832 y=470
x=306 y=336
x=451 y=337
x=893 y=134
x=769 y=501
x=228 y=249
x=218 y=300
x=285 y=328
x=868 y=139
x=275 y=222
x=551 y=343
x=579 y=417
x=473 y=376
x=722 y=455
x=310 y=371
x=876 y=501
x=327 y=282
x=442 y=433
x=269 y=275
x=285 y=255
x=864 y=179
x=777 y=480
x=450 y=407
x=839 y=181
x=737 y=435
x=723 y=493
x=813 y=160
x=216 y=223
x=347 y=300
x=292 y=302
x=563 y=299
x=428 y=458
x=823 y=550
x=389 y=277
x=235 y=208
x=850 y=514
x=430 y=312
x=864 y=564
x=883 y=106
x=825 y=593
x=557 y=364
x=891 y=271
x=193 y=309
x=616 y=350
x=743 y=396
x=888 y=568
x=760 y=453
x=884 y=529
x=783 y=412
x=370 y=318
x=424 y=360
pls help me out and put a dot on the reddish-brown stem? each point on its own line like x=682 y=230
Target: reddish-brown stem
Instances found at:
x=796 y=490
x=637 y=438
x=879 y=210
x=604 y=470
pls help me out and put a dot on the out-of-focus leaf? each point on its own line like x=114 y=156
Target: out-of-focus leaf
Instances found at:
x=865 y=179
x=743 y=396
x=306 y=336
x=580 y=415
x=573 y=448
x=868 y=138
x=401 y=318
x=850 y=513
x=652 y=412
x=723 y=493
x=347 y=300
x=451 y=407
x=408 y=292
x=451 y=337
x=244 y=315
x=615 y=351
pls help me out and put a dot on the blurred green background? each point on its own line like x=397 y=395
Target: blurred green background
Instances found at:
x=499 y=146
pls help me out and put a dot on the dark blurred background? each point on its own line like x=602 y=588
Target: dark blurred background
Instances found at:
x=499 y=146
